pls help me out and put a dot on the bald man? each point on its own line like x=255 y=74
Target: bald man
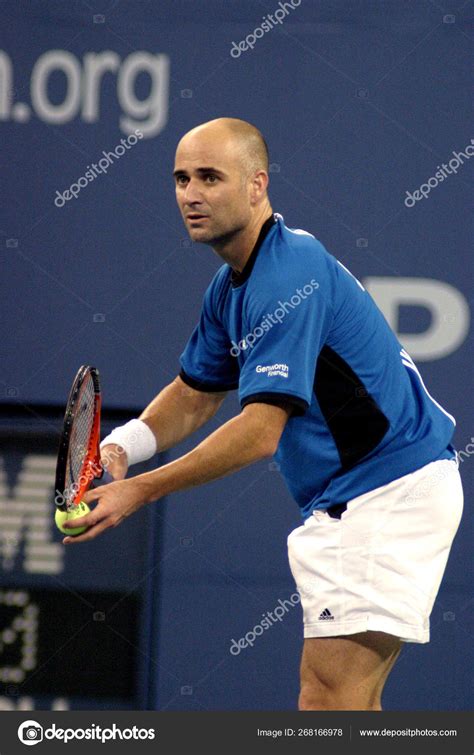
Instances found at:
x=328 y=391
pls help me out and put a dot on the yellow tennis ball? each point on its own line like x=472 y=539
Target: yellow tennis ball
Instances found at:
x=62 y=516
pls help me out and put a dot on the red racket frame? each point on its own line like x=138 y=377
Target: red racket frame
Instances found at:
x=91 y=467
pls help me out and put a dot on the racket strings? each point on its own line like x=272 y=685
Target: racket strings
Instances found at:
x=79 y=446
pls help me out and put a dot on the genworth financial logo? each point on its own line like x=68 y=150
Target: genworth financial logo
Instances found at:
x=31 y=732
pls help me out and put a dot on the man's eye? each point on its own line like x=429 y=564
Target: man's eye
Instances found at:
x=211 y=177
x=181 y=179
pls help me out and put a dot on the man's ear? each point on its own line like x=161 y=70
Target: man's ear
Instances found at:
x=259 y=186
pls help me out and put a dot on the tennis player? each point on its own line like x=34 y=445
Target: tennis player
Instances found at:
x=326 y=389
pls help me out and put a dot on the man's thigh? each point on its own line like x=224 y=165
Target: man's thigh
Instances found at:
x=351 y=669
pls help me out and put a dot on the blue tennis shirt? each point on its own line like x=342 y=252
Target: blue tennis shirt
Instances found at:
x=296 y=326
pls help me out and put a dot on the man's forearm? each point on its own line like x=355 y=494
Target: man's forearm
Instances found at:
x=178 y=411
x=241 y=441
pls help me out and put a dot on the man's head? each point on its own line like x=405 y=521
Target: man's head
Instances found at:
x=221 y=175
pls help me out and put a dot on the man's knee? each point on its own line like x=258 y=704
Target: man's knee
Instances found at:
x=318 y=696
x=313 y=697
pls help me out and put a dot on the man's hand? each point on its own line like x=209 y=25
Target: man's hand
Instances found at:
x=114 y=459
x=116 y=501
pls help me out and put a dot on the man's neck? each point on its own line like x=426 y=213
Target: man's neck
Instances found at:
x=238 y=249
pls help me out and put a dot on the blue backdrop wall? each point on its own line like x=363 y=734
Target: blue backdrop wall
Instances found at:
x=365 y=107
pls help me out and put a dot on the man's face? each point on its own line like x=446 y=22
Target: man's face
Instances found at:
x=211 y=190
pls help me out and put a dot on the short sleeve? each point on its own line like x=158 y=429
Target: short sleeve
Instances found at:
x=282 y=348
x=206 y=362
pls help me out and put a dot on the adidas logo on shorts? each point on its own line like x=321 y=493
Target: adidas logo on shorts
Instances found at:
x=326 y=615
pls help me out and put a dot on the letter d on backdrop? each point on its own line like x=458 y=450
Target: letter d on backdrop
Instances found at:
x=449 y=311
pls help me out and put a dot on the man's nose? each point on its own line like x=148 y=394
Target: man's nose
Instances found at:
x=192 y=193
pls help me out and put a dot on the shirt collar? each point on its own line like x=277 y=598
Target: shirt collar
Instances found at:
x=238 y=278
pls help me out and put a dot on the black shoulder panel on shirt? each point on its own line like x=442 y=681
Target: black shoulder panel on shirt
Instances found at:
x=355 y=420
x=277 y=399
x=205 y=387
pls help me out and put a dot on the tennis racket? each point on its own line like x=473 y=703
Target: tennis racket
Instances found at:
x=79 y=462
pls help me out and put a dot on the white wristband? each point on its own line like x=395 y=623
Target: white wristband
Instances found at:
x=136 y=438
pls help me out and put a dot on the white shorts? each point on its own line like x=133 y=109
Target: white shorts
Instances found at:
x=379 y=566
